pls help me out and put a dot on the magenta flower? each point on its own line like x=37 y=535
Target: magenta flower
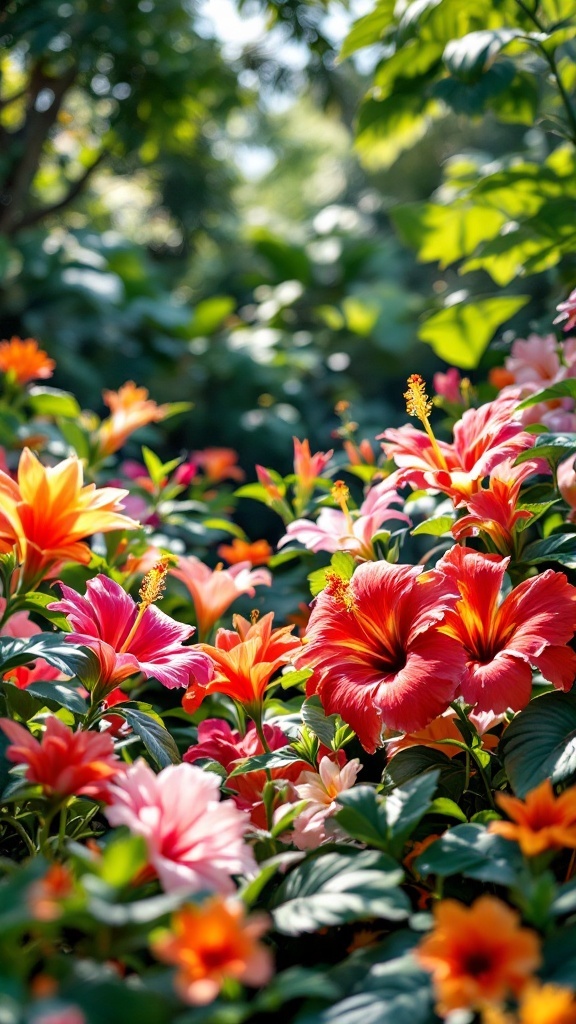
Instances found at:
x=127 y=639
x=194 y=841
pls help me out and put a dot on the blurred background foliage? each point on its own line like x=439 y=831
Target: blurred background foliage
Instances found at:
x=207 y=199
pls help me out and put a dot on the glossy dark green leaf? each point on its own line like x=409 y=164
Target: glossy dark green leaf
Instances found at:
x=472 y=851
x=559 y=547
x=157 y=740
x=540 y=742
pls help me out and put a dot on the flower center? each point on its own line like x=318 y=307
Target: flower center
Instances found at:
x=477 y=963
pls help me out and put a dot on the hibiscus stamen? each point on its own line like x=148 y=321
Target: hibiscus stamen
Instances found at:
x=419 y=405
x=254 y=616
x=341 y=495
x=151 y=590
x=339 y=590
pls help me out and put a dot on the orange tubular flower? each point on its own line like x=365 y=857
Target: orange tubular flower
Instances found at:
x=256 y=552
x=23 y=361
x=130 y=409
x=245 y=659
x=478 y=955
x=212 y=942
x=541 y=822
x=219 y=464
x=48 y=514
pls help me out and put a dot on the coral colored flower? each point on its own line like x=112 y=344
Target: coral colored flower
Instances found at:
x=194 y=841
x=62 y=1015
x=493 y=510
x=308 y=467
x=536 y=363
x=342 y=530
x=48 y=514
x=448 y=385
x=567 y=312
x=378 y=656
x=130 y=409
x=245 y=659
x=313 y=826
x=531 y=626
x=45 y=896
x=219 y=464
x=24 y=361
x=478 y=954
x=214 y=590
x=218 y=741
x=256 y=552
x=21 y=626
x=482 y=438
x=213 y=942
x=360 y=454
x=445 y=728
x=127 y=640
x=64 y=762
x=541 y=822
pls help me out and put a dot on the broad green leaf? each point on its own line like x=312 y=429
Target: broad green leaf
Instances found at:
x=407 y=805
x=447 y=808
x=446 y=233
x=37 y=602
x=552 y=447
x=387 y=127
x=474 y=852
x=436 y=526
x=395 y=992
x=51 y=402
x=68 y=658
x=59 y=695
x=363 y=816
x=157 y=740
x=224 y=524
x=460 y=333
x=334 y=888
x=559 y=547
x=368 y=30
x=322 y=725
x=540 y=742
x=209 y=314
x=413 y=762
x=563 y=389
x=467 y=58
x=122 y=858
x=275 y=759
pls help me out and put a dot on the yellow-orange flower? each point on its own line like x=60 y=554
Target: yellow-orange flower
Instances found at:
x=256 y=552
x=547 y=1004
x=47 y=514
x=478 y=954
x=23 y=360
x=130 y=409
x=541 y=822
x=212 y=942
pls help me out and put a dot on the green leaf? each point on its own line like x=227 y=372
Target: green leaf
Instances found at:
x=563 y=389
x=460 y=333
x=559 y=547
x=322 y=725
x=363 y=816
x=540 y=742
x=68 y=658
x=369 y=29
x=275 y=759
x=413 y=762
x=37 y=602
x=447 y=808
x=58 y=695
x=552 y=447
x=395 y=992
x=342 y=563
x=407 y=805
x=467 y=58
x=474 y=852
x=334 y=888
x=209 y=314
x=446 y=233
x=215 y=523
x=387 y=127
x=51 y=402
x=122 y=858
x=435 y=526
x=157 y=740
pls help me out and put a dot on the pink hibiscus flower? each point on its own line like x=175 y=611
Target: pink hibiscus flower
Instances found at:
x=194 y=841
x=127 y=639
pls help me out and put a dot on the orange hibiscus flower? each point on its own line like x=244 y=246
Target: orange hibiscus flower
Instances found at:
x=23 y=360
x=48 y=513
x=541 y=822
x=245 y=659
x=479 y=954
x=212 y=942
x=130 y=409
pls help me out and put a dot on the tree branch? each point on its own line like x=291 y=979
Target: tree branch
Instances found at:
x=36 y=215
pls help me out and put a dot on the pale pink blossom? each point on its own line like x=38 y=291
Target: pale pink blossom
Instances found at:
x=354 y=531
x=536 y=363
x=566 y=477
x=567 y=312
x=313 y=826
x=195 y=842
x=214 y=590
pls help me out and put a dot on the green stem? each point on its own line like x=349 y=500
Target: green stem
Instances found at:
x=21 y=832
x=549 y=58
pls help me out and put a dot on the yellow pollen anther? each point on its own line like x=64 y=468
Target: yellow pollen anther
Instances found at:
x=339 y=590
x=341 y=495
x=254 y=616
x=151 y=590
x=418 y=404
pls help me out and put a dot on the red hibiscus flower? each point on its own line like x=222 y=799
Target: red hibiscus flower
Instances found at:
x=379 y=657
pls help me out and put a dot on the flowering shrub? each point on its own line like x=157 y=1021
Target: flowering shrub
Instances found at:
x=363 y=808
